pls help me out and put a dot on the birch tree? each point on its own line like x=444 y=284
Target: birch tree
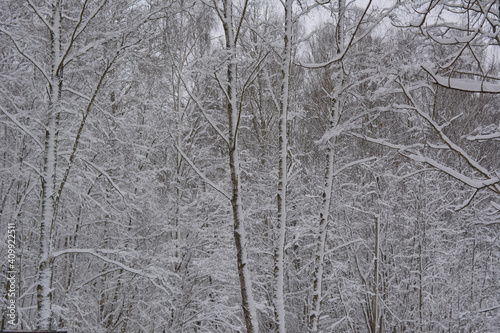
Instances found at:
x=60 y=42
x=341 y=42
x=232 y=28
x=357 y=167
x=279 y=306
x=437 y=146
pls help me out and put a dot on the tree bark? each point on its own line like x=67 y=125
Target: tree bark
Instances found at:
x=375 y=278
x=49 y=193
x=279 y=298
x=247 y=299
x=334 y=115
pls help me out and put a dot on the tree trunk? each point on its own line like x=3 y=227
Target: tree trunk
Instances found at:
x=375 y=278
x=320 y=247
x=335 y=113
x=248 y=303
x=279 y=299
x=49 y=193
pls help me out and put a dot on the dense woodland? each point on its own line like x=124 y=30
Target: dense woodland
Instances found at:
x=251 y=165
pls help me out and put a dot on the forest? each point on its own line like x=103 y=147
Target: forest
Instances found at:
x=181 y=166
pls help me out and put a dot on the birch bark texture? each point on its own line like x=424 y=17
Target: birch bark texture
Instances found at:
x=47 y=223
x=279 y=296
x=334 y=119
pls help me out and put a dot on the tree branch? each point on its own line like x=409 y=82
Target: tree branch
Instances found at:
x=201 y=174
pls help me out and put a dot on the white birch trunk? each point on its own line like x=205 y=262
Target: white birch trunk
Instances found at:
x=323 y=221
x=44 y=283
x=327 y=189
x=320 y=248
x=375 y=277
x=248 y=303
x=279 y=298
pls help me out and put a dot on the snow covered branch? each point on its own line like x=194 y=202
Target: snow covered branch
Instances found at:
x=466 y=85
x=201 y=174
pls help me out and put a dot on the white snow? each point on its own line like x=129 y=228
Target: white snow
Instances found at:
x=467 y=85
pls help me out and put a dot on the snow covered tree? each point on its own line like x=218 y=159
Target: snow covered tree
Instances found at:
x=232 y=24
x=228 y=166
x=468 y=30
x=67 y=49
x=336 y=52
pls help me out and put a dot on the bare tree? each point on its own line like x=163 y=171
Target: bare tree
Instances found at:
x=232 y=28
